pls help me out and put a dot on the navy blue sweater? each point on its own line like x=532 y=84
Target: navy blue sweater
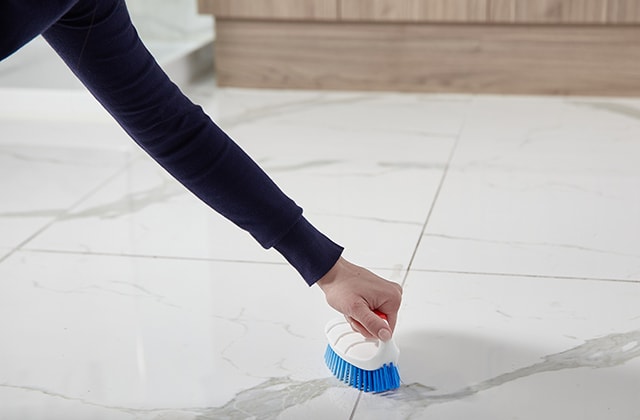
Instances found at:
x=98 y=42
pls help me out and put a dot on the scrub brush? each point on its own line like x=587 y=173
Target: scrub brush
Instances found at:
x=369 y=365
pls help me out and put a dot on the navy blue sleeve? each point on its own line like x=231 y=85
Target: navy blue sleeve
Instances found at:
x=98 y=42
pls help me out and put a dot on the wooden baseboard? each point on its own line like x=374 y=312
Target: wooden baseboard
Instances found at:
x=467 y=58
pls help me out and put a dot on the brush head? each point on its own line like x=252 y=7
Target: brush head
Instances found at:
x=366 y=364
x=382 y=379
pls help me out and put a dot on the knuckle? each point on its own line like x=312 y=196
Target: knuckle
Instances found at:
x=354 y=307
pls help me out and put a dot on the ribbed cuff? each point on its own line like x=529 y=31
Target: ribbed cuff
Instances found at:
x=309 y=251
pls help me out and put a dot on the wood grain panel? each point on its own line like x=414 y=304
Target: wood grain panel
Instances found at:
x=414 y=10
x=537 y=59
x=561 y=11
x=501 y=11
x=623 y=11
x=271 y=9
x=564 y=11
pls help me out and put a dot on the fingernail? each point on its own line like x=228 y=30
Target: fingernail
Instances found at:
x=384 y=334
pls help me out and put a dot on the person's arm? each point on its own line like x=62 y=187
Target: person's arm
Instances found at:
x=99 y=43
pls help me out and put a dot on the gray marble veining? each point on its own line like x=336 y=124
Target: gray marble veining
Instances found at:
x=127 y=204
x=515 y=243
x=287 y=108
x=301 y=165
x=598 y=353
x=616 y=108
x=263 y=401
x=114 y=287
x=270 y=398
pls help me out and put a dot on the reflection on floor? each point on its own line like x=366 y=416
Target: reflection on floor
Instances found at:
x=511 y=222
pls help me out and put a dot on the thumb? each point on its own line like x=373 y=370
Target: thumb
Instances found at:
x=372 y=322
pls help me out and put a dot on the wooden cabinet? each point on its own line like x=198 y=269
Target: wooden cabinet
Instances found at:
x=566 y=47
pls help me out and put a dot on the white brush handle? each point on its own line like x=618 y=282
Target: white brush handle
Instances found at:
x=364 y=353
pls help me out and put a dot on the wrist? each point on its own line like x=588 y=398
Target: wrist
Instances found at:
x=331 y=276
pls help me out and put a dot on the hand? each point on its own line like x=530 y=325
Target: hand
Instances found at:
x=356 y=293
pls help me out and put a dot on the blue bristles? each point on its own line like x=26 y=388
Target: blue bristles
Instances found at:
x=379 y=380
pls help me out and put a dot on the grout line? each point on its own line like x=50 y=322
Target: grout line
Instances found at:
x=152 y=257
x=4 y=256
x=7 y=255
x=355 y=406
x=535 y=276
x=240 y=261
x=445 y=172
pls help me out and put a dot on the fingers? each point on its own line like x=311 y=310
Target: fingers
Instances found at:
x=371 y=323
x=392 y=306
x=391 y=319
x=357 y=327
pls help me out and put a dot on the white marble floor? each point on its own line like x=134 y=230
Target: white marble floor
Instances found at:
x=512 y=223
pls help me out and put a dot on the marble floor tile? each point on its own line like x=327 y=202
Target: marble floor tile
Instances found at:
x=554 y=225
x=133 y=300
x=350 y=172
x=372 y=112
x=144 y=212
x=500 y=347
x=119 y=337
x=49 y=132
x=576 y=136
x=40 y=184
x=550 y=192
x=351 y=184
x=73 y=108
x=382 y=115
x=27 y=68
